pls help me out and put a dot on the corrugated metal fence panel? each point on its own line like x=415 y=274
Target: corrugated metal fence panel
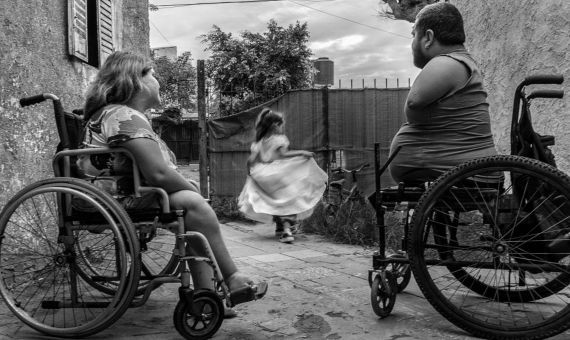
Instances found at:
x=356 y=120
x=360 y=118
x=304 y=121
x=228 y=172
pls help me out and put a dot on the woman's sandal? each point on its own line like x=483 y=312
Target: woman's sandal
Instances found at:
x=250 y=293
x=229 y=313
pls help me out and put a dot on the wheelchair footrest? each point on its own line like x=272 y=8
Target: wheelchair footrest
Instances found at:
x=391 y=197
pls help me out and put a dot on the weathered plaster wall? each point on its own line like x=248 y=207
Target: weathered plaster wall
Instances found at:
x=34 y=60
x=513 y=39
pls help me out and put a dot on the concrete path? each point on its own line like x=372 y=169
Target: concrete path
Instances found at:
x=318 y=290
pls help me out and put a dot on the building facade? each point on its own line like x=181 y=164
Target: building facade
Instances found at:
x=54 y=46
x=514 y=39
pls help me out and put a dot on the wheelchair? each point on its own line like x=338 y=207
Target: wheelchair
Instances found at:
x=488 y=242
x=73 y=259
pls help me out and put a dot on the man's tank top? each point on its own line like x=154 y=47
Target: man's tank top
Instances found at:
x=452 y=130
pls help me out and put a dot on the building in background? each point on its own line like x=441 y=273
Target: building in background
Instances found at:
x=170 y=52
x=325 y=72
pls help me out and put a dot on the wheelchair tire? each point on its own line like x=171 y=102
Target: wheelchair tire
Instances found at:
x=383 y=294
x=201 y=320
x=43 y=280
x=155 y=260
x=490 y=272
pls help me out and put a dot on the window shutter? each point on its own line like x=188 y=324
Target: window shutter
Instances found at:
x=105 y=26
x=77 y=29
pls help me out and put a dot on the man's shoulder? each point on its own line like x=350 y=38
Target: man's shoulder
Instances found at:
x=445 y=62
x=447 y=68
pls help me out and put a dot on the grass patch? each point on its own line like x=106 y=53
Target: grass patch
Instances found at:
x=357 y=226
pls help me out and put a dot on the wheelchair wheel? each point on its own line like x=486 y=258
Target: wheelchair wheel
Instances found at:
x=157 y=257
x=479 y=247
x=43 y=280
x=201 y=320
x=383 y=294
x=401 y=272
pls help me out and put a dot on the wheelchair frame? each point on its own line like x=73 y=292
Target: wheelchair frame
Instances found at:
x=94 y=255
x=479 y=245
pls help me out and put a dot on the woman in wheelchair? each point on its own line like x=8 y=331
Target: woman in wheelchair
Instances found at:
x=122 y=91
x=446 y=110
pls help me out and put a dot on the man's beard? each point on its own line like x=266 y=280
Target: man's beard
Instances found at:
x=420 y=60
x=419 y=57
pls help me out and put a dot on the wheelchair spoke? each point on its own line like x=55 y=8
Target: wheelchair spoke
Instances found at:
x=480 y=252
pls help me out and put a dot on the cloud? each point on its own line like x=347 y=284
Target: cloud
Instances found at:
x=348 y=42
x=360 y=43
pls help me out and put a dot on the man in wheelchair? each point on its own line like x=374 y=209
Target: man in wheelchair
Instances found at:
x=446 y=110
x=448 y=122
x=122 y=91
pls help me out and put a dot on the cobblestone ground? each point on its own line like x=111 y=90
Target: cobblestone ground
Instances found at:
x=318 y=290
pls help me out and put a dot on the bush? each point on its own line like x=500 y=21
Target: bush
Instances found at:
x=356 y=225
x=226 y=207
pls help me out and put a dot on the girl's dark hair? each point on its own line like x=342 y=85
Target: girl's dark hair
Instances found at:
x=445 y=20
x=266 y=121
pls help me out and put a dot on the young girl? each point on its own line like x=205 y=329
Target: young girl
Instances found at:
x=283 y=185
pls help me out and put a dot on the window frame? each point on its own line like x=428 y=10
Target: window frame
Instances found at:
x=91 y=30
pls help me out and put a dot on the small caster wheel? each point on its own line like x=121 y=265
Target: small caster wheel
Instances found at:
x=202 y=319
x=383 y=294
x=401 y=271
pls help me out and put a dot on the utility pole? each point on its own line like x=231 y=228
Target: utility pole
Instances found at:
x=203 y=145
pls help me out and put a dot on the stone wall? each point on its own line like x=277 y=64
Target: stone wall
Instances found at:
x=34 y=60
x=513 y=39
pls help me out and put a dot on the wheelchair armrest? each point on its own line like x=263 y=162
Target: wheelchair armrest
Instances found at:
x=65 y=155
x=164 y=201
x=138 y=188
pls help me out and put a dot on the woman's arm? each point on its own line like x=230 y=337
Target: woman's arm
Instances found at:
x=154 y=169
x=440 y=76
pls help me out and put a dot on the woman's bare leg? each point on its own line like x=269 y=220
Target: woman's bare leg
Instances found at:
x=200 y=217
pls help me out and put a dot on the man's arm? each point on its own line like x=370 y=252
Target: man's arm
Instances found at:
x=438 y=78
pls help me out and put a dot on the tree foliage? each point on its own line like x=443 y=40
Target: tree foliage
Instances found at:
x=177 y=79
x=405 y=9
x=256 y=67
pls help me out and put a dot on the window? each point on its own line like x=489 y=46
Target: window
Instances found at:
x=90 y=26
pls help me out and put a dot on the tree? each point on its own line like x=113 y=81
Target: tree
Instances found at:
x=177 y=79
x=405 y=9
x=256 y=67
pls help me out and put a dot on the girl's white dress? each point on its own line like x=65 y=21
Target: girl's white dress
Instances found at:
x=281 y=187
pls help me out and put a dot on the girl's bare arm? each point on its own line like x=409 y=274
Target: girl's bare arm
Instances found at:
x=285 y=153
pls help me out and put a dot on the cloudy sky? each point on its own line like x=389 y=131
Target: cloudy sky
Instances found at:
x=362 y=44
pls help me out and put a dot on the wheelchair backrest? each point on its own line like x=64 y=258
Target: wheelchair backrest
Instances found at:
x=74 y=129
x=524 y=140
x=529 y=143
